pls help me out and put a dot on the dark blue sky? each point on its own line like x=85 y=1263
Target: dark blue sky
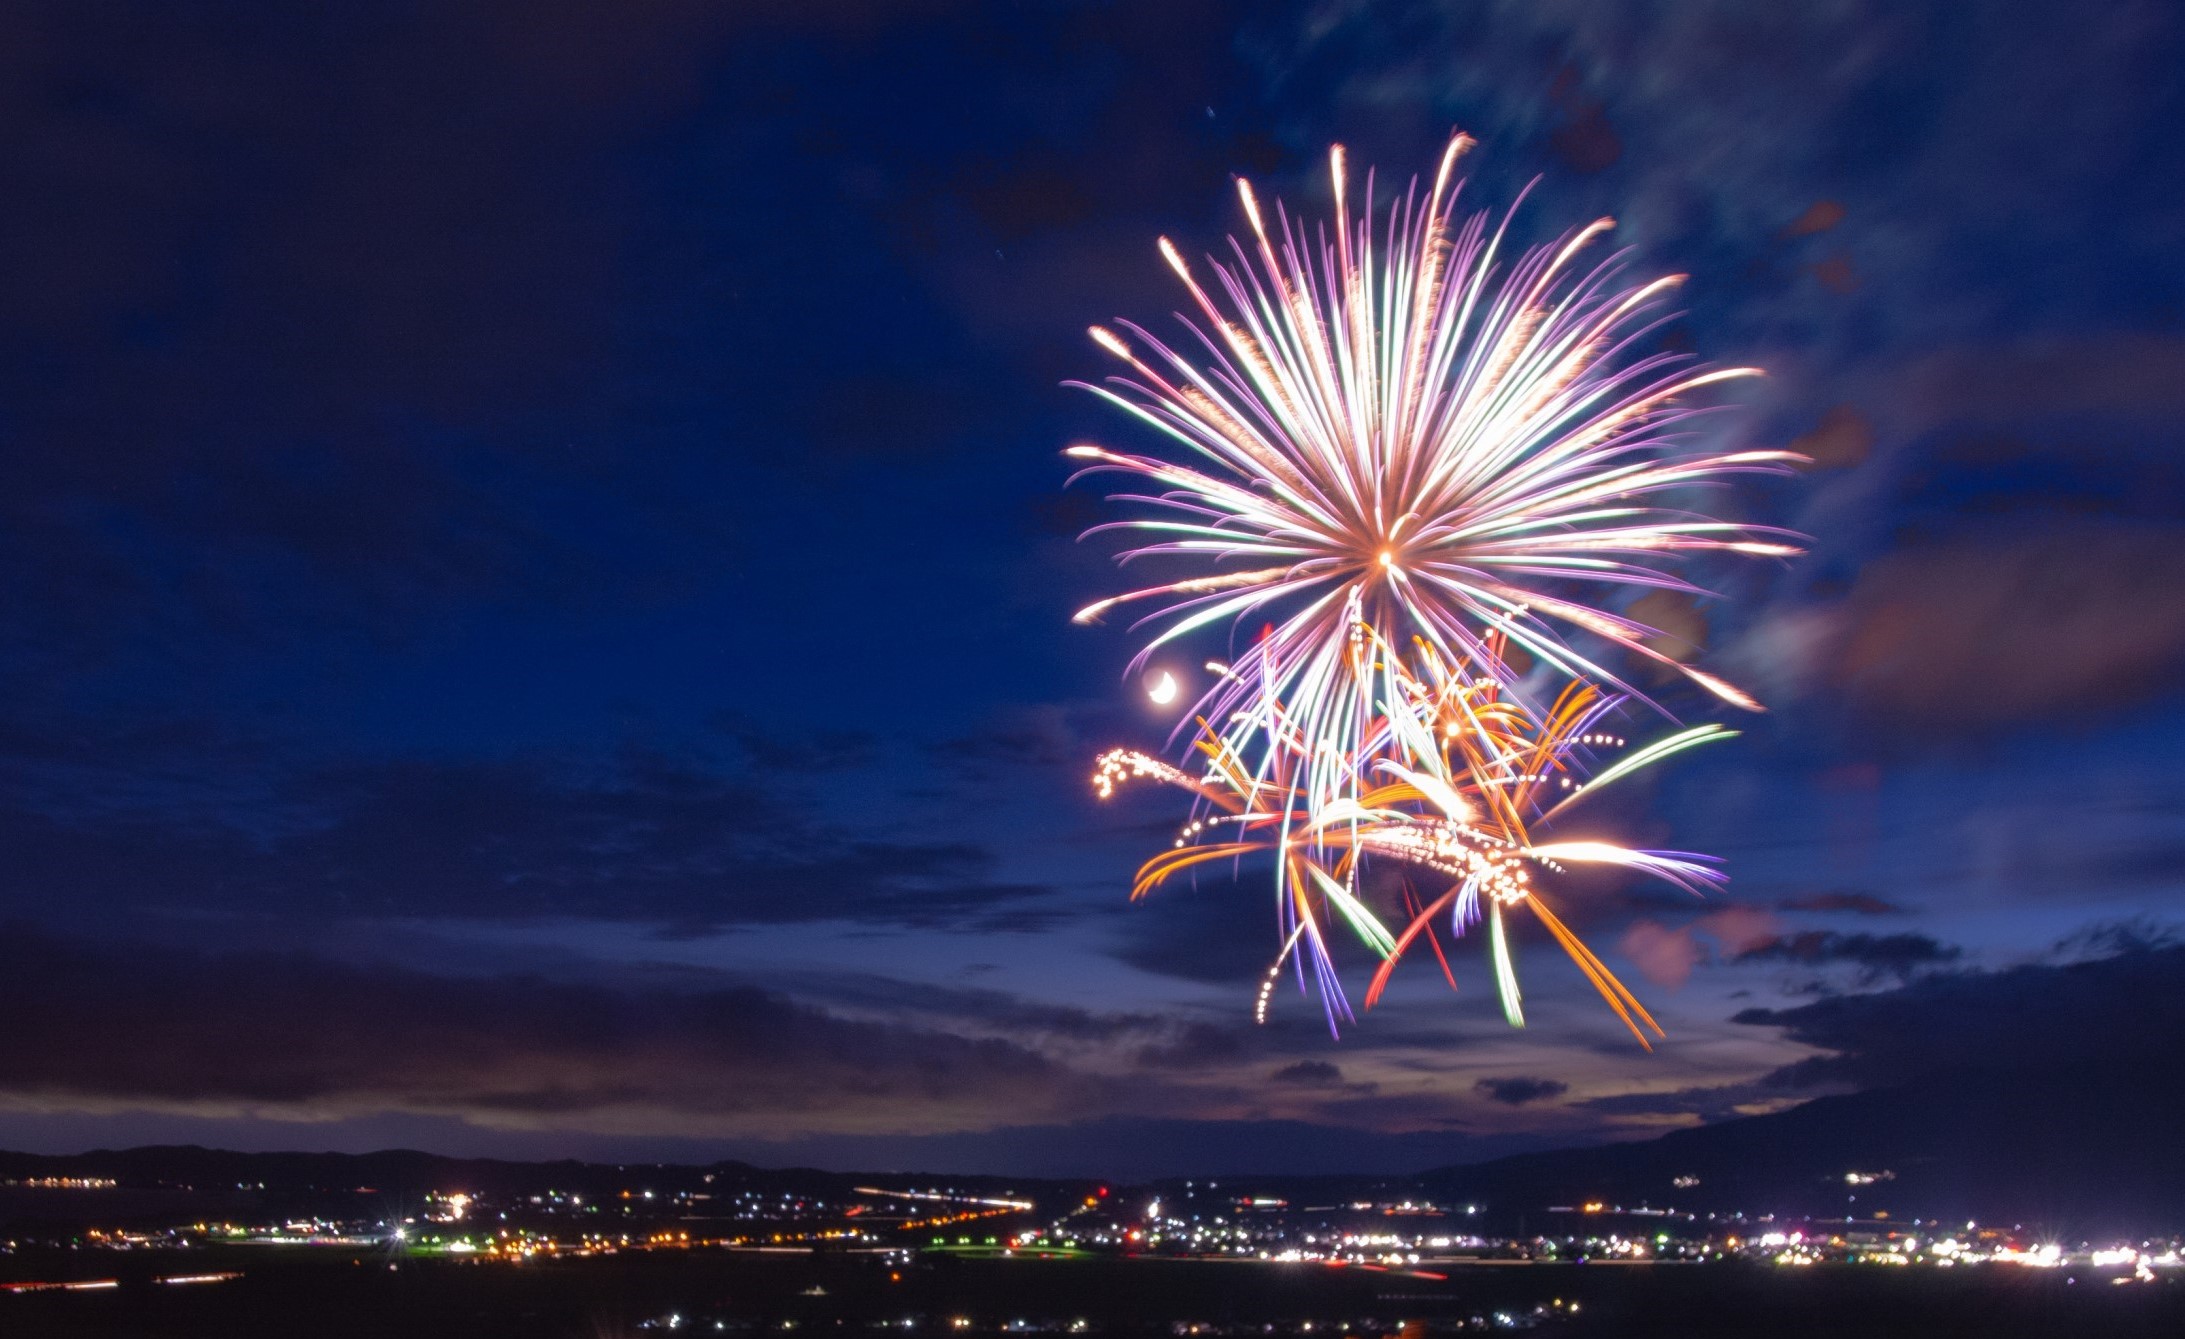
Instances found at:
x=538 y=569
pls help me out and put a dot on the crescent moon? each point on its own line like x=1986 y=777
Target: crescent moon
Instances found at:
x=1164 y=690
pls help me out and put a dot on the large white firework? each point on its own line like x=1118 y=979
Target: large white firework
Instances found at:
x=1394 y=426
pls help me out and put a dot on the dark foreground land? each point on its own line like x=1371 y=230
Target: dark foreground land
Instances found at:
x=336 y=1295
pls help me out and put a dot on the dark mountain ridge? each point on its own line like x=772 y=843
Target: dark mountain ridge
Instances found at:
x=1953 y=1149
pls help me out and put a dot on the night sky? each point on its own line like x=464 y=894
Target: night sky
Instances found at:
x=537 y=568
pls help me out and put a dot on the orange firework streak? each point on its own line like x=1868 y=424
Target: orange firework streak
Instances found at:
x=1464 y=774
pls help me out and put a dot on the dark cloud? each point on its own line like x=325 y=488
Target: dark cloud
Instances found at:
x=1044 y=736
x=2116 y=1019
x=1712 y=1103
x=1851 y=901
x=1053 y=737
x=1585 y=141
x=962 y=1009
x=2157 y=861
x=1219 y=931
x=2125 y=374
x=642 y=839
x=1844 y=437
x=1518 y=1090
x=880 y=1077
x=1680 y=627
x=1837 y=273
x=1142 y=1149
x=1668 y=956
x=1198 y=1046
x=1820 y=216
x=2137 y=935
x=1933 y=639
x=1037 y=192
x=122 y=1023
x=1878 y=957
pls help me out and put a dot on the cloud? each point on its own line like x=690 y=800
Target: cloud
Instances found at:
x=1045 y=736
x=105 y=1025
x=1932 y=640
x=1877 y=956
x=1819 y=217
x=1813 y=251
x=1680 y=627
x=2096 y=1023
x=2124 y=375
x=1220 y=932
x=1844 y=437
x=1054 y=737
x=2137 y=935
x=1848 y=901
x=1726 y=149
x=1140 y=1149
x=265 y=1043
x=1048 y=1027
x=1663 y=956
x=1585 y=141
x=1737 y=928
x=1706 y=1103
x=1667 y=956
x=643 y=838
x=1196 y=1046
x=1517 y=1091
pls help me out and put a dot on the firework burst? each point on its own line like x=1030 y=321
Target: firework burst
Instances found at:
x=1393 y=426
x=1463 y=777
